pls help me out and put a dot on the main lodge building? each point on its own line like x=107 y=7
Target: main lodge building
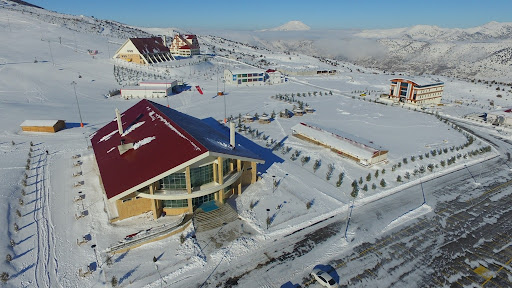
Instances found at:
x=157 y=159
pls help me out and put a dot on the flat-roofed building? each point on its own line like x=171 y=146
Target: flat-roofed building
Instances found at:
x=349 y=146
x=244 y=77
x=409 y=91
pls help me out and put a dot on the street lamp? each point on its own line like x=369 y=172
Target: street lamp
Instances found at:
x=268 y=218
x=76 y=97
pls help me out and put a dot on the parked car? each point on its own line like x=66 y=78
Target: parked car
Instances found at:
x=324 y=278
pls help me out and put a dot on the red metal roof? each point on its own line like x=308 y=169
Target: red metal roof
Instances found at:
x=164 y=139
x=170 y=147
x=149 y=45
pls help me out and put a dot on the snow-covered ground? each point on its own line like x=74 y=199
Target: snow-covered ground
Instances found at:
x=49 y=63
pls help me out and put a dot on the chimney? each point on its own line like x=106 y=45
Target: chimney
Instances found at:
x=164 y=40
x=119 y=123
x=232 y=134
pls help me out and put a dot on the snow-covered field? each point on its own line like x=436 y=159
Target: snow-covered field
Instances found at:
x=39 y=75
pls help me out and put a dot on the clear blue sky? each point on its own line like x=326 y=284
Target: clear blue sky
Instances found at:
x=261 y=14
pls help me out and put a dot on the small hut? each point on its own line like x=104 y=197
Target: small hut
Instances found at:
x=298 y=112
x=264 y=119
x=309 y=110
x=49 y=126
x=248 y=118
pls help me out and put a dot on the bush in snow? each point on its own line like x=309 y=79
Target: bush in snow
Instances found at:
x=398 y=178
x=12 y=243
x=113 y=281
x=383 y=171
x=305 y=159
x=182 y=238
x=360 y=180
x=12 y=142
x=376 y=174
x=407 y=175
x=368 y=177
x=308 y=205
x=404 y=160
x=18 y=213
x=4 y=277
x=382 y=182
x=16 y=228
x=374 y=186
x=365 y=187
x=8 y=258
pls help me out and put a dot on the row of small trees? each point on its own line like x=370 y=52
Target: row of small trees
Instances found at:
x=4 y=276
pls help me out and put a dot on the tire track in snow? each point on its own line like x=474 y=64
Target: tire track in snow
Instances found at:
x=45 y=276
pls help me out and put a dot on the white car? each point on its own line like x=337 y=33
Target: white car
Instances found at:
x=324 y=278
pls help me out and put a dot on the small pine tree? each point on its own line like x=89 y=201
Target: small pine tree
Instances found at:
x=398 y=178
x=383 y=182
x=365 y=187
x=182 y=240
x=308 y=205
x=113 y=281
x=383 y=171
x=8 y=257
x=360 y=180
x=374 y=186
x=368 y=177
x=376 y=174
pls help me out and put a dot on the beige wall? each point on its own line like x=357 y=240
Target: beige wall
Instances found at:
x=135 y=58
x=132 y=207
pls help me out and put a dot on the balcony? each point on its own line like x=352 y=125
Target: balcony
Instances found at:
x=196 y=191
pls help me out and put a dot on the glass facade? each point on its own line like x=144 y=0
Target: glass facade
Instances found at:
x=176 y=181
x=175 y=203
x=225 y=166
x=201 y=175
x=200 y=200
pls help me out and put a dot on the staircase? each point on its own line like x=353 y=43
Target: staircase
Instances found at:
x=204 y=221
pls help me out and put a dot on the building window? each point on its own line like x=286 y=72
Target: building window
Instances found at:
x=175 y=203
x=200 y=200
x=176 y=181
x=201 y=175
x=225 y=166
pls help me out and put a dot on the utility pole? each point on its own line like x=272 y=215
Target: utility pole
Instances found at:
x=51 y=54
x=76 y=97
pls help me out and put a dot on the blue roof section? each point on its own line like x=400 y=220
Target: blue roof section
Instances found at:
x=211 y=138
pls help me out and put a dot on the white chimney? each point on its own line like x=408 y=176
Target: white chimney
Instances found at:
x=232 y=134
x=119 y=123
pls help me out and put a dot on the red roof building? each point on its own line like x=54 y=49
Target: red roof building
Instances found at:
x=144 y=51
x=185 y=45
x=154 y=158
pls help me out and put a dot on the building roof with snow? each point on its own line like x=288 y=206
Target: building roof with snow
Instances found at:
x=416 y=82
x=164 y=141
x=343 y=142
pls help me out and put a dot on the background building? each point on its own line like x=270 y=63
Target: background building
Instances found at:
x=157 y=159
x=50 y=126
x=346 y=145
x=185 y=45
x=244 y=77
x=144 y=51
x=408 y=91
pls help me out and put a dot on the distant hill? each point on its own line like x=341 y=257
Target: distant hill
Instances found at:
x=290 y=26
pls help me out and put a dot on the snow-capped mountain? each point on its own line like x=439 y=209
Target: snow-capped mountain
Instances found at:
x=290 y=26
x=482 y=52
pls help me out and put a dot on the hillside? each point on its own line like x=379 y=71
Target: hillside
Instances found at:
x=474 y=53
